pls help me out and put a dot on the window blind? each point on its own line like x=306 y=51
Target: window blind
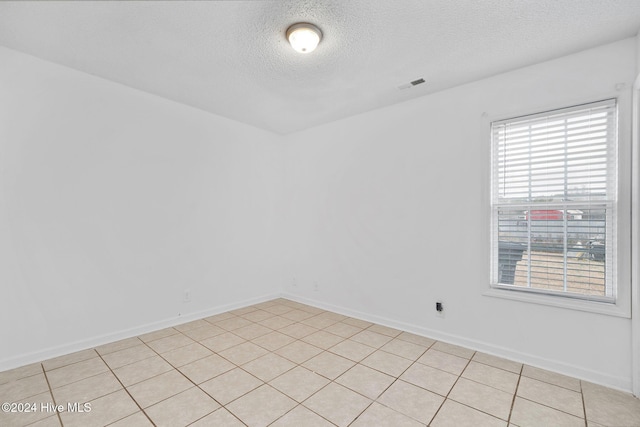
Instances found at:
x=553 y=201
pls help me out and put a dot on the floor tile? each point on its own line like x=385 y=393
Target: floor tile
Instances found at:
x=118 y=345
x=337 y=404
x=187 y=354
x=530 y=414
x=21 y=372
x=498 y=362
x=301 y=416
x=261 y=406
x=551 y=378
x=218 y=317
x=331 y=315
x=252 y=331
x=328 y=365
x=299 y=351
x=273 y=340
x=610 y=407
x=142 y=370
x=453 y=349
x=322 y=339
x=76 y=372
x=156 y=335
x=416 y=339
x=384 y=330
x=413 y=401
x=16 y=390
x=387 y=363
x=233 y=323
x=204 y=332
x=222 y=342
x=404 y=349
x=372 y=339
x=309 y=309
x=352 y=350
x=429 y=378
x=243 y=310
x=87 y=389
x=158 y=388
x=298 y=330
x=453 y=414
x=51 y=421
x=220 y=417
x=104 y=410
x=494 y=377
x=278 y=309
x=230 y=385
x=258 y=315
x=138 y=419
x=204 y=369
x=366 y=381
x=69 y=359
x=276 y=322
x=343 y=330
x=169 y=343
x=551 y=395
x=128 y=355
x=297 y=315
x=268 y=367
x=362 y=324
x=319 y=322
x=243 y=353
x=182 y=409
x=381 y=416
x=307 y=367
x=482 y=397
x=33 y=414
x=444 y=361
x=299 y=383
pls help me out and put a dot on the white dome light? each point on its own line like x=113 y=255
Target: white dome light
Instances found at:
x=304 y=37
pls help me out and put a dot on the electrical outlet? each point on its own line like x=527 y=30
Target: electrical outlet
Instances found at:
x=294 y=283
x=315 y=286
x=439 y=309
x=186 y=295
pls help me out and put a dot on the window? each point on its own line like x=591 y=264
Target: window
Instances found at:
x=553 y=202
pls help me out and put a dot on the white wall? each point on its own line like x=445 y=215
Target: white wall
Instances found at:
x=388 y=212
x=113 y=202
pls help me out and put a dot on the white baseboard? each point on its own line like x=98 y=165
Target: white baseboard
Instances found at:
x=66 y=348
x=619 y=383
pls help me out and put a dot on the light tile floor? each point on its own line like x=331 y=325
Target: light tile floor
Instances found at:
x=282 y=363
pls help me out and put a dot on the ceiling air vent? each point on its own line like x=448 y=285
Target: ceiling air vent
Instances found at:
x=411 y=84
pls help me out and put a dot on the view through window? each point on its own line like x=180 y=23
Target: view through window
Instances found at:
x=553 y=201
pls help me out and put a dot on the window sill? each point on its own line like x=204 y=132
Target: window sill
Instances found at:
x=609 y=309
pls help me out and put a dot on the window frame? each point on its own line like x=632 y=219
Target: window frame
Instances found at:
x=621 y=306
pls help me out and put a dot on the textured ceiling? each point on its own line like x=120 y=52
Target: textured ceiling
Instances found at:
x=231 y=57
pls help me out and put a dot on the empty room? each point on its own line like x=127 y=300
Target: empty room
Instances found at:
x=320 y=213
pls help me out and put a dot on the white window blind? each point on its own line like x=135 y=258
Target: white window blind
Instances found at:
x=554 y=178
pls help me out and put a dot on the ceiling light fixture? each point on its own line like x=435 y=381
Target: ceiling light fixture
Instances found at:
x=304 y=37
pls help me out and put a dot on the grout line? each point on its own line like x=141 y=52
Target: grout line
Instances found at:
x=553 y=408
x=51 y=392
x=584 y=406
x=127 y=391
x=515 y=393
x=452 y=387
x=397 y=378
